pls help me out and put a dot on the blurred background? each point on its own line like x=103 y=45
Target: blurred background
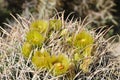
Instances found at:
x=100 y=12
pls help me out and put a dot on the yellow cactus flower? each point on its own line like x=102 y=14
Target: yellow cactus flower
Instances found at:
x=64 y=32
x=85 y=64
x=55 y=24
x=35 y=37
x=87 y=51
x=84 y=54
x=60 y=64
x=69 y=40
x=83 y=39
x=41 y=60
x=78 y=56
x=40 y=26
x=26 y=49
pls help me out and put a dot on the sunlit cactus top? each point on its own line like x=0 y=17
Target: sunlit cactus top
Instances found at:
x=58 y=63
